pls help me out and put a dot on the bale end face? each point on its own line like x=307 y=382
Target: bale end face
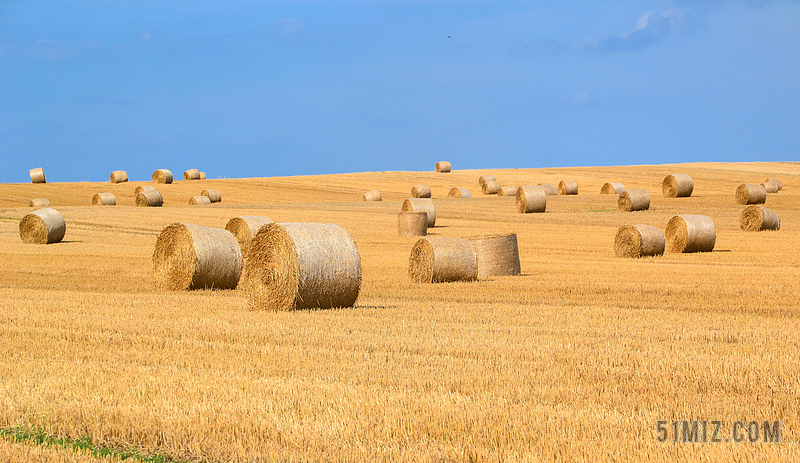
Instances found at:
x=634 y=241
x=412 y=223
x=244 y=228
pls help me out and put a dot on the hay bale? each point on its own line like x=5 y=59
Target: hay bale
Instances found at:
x=421 y=205
x=612 y=188
x=498 y=255
x=677 y=186
x=771 y=187
x=442 y=259
x=510 y=190
x=757 y=218
x=531 y=199
x=37 y=175
x=411 y=223
x=142 y=188
x=149 y=198
x=549 y=190
x=750 y=193
x=244 y=228
x=373 y=195
x=491 y=187
x=302 y=266
x=162 y=176
x=119 y=176
x=191 y=174
x=456 y=192
x=690 y=233
x=635 y=199
x=775 y=181
x=568 y=187
x=104 y=199
x=193 y=257
x=199 y=200
x=638 y=241
x=43 y=226
x=443 y=166
x=421 y=191
x=39 y=202
x=486 y=178
x=202 y=175
x=212 y=194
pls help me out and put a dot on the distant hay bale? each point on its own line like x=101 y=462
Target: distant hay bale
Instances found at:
x=486 y=178
x=635 y=199
x=119 y=176
x=750 y=193
x=531 y=199
x=190 y=257
x=411 y=223
x=443 y=166
x=612 y=188
x=244 y=228
x=202 y=175
x=690 y=233
x=199 y=200
x=775 y=181
x=421 y=191
x=39 y=202
x=421 y=205
x=638 y=241
x=191 y=174
x=498 y=255
x=162 y=176
x=757 y=218
x=149 y=198
x=302 y=266
x=142 y=188
x=549 y=190
x=568 y=187
x=771 y=187
x=457 y=192
x=104 y=199
x=43 y=226
x=37 y=175
x=441 y=259
x=212 y=194
x=677 y=186
x=491 y=187
x=509 y=190
x=373 y=195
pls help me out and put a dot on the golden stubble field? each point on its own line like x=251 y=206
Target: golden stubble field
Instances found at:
x=575 y=360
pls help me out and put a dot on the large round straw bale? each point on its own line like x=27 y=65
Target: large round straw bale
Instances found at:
x=690 y=233
x=677 y=186
x=638 y=241
x=39 y=202
x=498 y=255
x=202 y=175
x=142 y=188
x=457 y=192
x=373 y=195
x=421 y=205
x=119 y=176
x=212 y=194
x=443 y=166
x=757 y=218
x=193 y=257
x=612 y=188
x=43 y=226
x=486 y=178
x=441 y=259
x=411 y=223
x=490 y=188
x=162 y=176
x=771 y=187
x=549 y=190
x=104 y=199
x=775 y=181
x=568 y=187
x=244 y=228
x=635 y=199
x=509 y=190
x=750 y=193
x=191 y=174
x=531 y=199
x=199 y=200
x=302 y=266
x=149 y=198
x=421 y=191
x=37 y=175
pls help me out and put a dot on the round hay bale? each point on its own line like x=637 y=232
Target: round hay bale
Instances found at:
x=635 y=199
x=104 y=199
x=212 y=194
x=509 y=190
x=690 y=233
x=750 y=193
x=142 y=188
x=442 y=259
x=193 y=257
x=498 y=255
x=411 y=223
x=677 y=186
x=373 y=195
x=302 y=266
x=202 y=175
x=776 y=182
x=568 y=187
x=443 y=166
x=638 y=241
x=162 y=176
x=757 y=218
x=39 y=202
x=612 y=188
x=199 y=200
x=490 y=188
x=191 y=174
x=37 y=175
x=531 y=199
x=149 y=198
x=421 y=205
x=119 y=176
x=771 y=187
x=549 y=190
x=421 y=191
x=244 y=228
x=456 y=192
x=43 y=226
x=486 y=178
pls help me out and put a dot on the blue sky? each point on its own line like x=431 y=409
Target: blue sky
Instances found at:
x=259 y=88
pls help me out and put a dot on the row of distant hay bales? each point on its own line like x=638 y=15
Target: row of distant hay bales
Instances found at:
x=121 y=176
x=144 y=196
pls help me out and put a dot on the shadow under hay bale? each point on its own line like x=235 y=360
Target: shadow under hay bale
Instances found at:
x=373 y=195
x=498 y=255
x=199 y=201
x=457 y=192
x=410 y=223
x=491 y=187
x=142 y=188
x=191 y=174
x=37 y=175
x=39 y=202
x=690 y=233
x=162 y=176
x=486 y=178
x=212 y=194
x=149 y=198
x=632 y=200
x=677 y=186
x=421 y=191
x=44 y=226
x=611 y=188
x=509 y=190
x=639 y=241
x=568 y=187
x=244 y=228
x=549 y=190
x=104 y=199
x=118 y=176
x=531 y=198
x=421 y=205
x=757 y=218
x=443 y=166
x=771 y=187
x=750 y=193
x=441 y=259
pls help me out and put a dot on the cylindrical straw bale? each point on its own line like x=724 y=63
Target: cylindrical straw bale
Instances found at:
x=771 y=187
x=498 y=255
x=193 y=257
x=411 y=223
x=442 y=259
x=149 y=198
x=43 y=226
x=244 y=228
x=757 y=218
x=635 y=199
x=421 y=205
x=775 y=181
x=421 y=191
x=119 y=176
x=212 y=194
x=162 y=176
x=142 y=188
x=531 y=199
x=509 y=190
x=39 y=202
x=443 y=166
x=490 y=188
x=457 y=192
x=302 y=266
x=191 y=174
x=638 y=241
x=104 y=199
x=199 y=200
x=373 y=195
x=612 y=188
x=549 y=190
x=486 y=178
x=568 y=187
x=690 y=233
x=202 y=175
x=37 y=175
x=677 y=186
x=750 y=193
